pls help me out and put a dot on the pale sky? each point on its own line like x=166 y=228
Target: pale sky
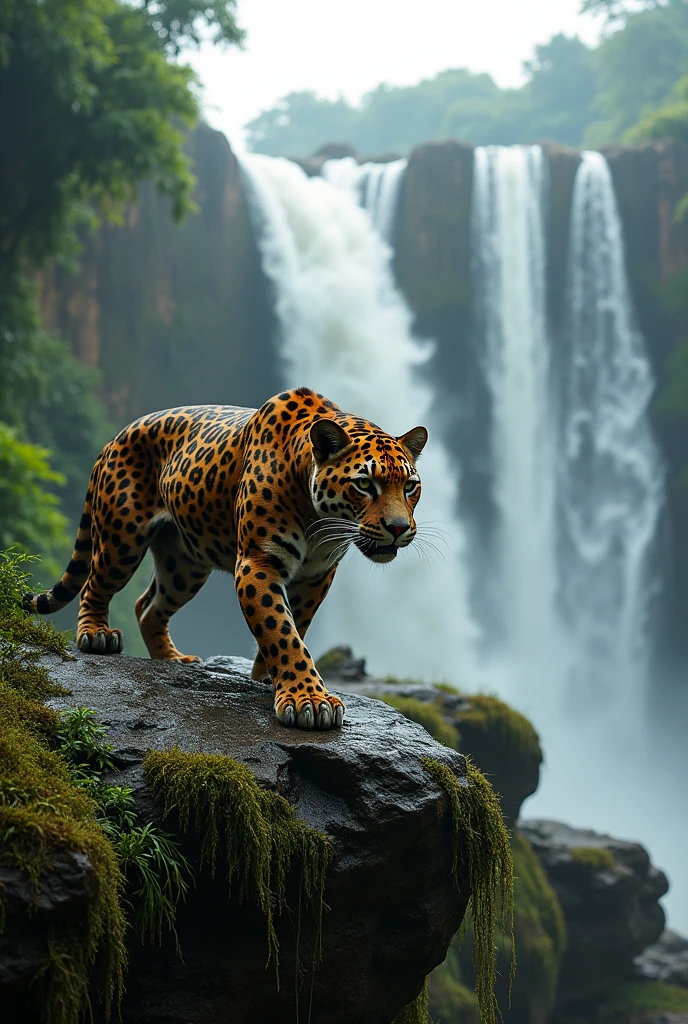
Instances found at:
x=346 y=47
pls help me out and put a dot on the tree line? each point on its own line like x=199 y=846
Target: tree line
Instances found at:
x=632 y=85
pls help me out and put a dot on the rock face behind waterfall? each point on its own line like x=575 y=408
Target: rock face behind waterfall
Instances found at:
x=391 y=905
x=172 y=314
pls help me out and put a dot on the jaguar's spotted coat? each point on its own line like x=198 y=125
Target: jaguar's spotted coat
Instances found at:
x=274 y=496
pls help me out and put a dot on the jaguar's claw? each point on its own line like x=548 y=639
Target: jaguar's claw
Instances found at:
x=324 y=716
x=306 y=717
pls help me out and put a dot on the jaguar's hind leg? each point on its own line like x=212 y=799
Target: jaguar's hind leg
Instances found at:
x=108 y=575
x=176 y=579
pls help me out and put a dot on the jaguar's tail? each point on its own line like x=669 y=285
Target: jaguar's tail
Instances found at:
x=74 y=576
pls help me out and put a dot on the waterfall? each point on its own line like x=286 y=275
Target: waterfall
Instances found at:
x=375 y=186
x=577 y=486
x=611 y=485
x=576 y=478
x=346 y=331
x=508 y=242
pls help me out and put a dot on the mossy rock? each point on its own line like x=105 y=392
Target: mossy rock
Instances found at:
x=609 y=890
x=540 y=936
x=502 y=742
x=363 y=787
x=450 y=999
x=645 y=999
x=429 y=715
x=44 y=820
x=593 y=858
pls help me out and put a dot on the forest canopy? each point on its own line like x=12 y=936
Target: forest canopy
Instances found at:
x=572 y=94
x=92 y=101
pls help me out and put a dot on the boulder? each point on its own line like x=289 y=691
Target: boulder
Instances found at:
x=391 y=905
x=665 y=960
x=503 y=743
x=65 y=892
x=608 y=891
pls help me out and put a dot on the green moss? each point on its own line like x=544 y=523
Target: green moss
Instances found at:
x=540 y=937
x=647 y=996
x=501 y=723
x=450 y=1001
x=417 y=1011
x=538 y=924
x=258 y=832
x=331 y=661
x=427 y=714
x=446 y=688
x=593 y=858
x=482 y=865
x=43 y=811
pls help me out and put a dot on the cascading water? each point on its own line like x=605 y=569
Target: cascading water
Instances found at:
x=577 y=481
x=611 y=479
x=375 y=186
x=508 y=242
x=577 y=487
x=346 y=331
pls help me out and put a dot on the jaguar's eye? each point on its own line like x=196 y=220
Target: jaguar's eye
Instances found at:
x=410 y=486
x=365 y=484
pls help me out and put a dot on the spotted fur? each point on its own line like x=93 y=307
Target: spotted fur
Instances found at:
x=275 y=496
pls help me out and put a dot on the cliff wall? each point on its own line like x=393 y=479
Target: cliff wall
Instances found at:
x=172 y=314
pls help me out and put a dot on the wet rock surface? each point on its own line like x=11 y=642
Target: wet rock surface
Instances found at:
x=391 y=905
x=608 y=891
x=502 y=743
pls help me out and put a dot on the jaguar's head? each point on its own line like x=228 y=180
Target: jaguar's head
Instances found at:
x=365 y=487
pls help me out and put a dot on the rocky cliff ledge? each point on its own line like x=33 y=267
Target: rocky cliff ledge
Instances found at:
x=391 y=907
x=586 y=904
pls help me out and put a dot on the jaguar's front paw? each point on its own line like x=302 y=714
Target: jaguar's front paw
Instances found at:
x=309 y=711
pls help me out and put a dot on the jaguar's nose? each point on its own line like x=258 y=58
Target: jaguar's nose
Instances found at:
x=397 y=527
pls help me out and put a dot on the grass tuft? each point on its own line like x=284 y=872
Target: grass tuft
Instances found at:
x=159 y=877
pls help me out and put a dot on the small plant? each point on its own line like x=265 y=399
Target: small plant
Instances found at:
x=153 y=861
x=80 y=739
x=15 y=577
x=157 y=873
x=114 y=804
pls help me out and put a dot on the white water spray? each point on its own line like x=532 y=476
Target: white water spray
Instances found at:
x=375 y=187
x=346 y=331
x=612 y=482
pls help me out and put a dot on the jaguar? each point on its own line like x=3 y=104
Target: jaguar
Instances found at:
x=275 y=496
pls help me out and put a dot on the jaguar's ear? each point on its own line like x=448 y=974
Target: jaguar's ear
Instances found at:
x=328 y=440
x=414 y=441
